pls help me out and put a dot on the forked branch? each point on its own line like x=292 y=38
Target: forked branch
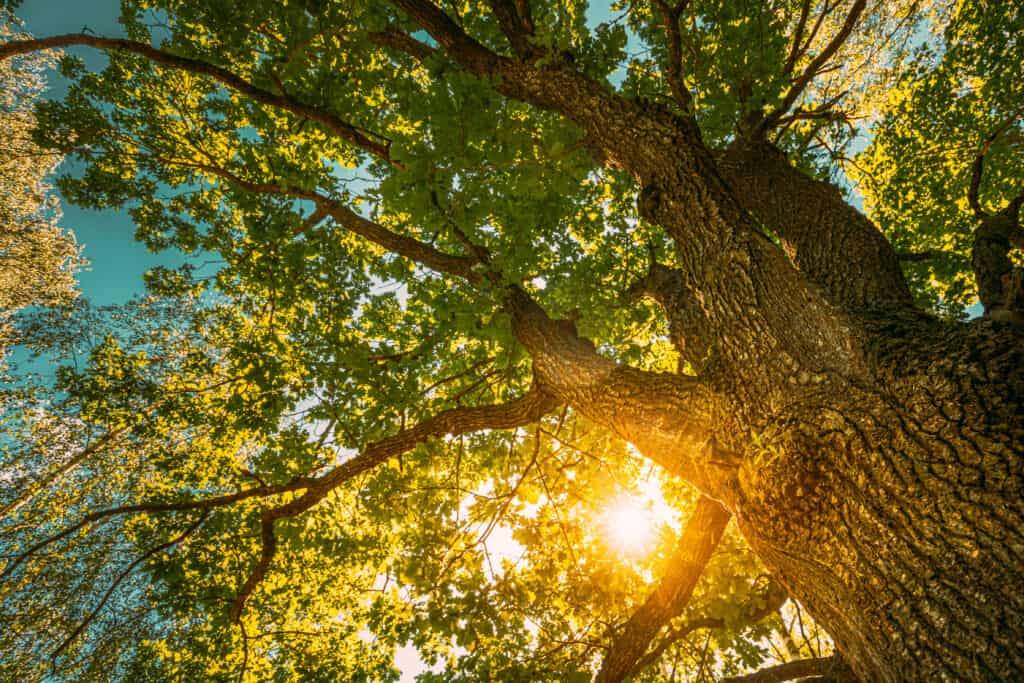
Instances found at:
x=813 y=69
x=774 y=597
x=978 y=166
x=516 y=29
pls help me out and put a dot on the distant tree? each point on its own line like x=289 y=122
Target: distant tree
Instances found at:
x=470 y=277
x=37 y=258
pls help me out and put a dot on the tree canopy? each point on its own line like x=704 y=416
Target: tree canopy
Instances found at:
x=496 y=314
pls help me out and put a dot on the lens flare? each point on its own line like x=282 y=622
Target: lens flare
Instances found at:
x=629 y=525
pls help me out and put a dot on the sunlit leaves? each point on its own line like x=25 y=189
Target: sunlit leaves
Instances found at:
x=916 y=173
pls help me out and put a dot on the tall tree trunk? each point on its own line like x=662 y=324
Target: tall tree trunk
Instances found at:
x=893 y=510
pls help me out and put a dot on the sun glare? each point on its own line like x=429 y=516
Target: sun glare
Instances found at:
x=629 y=525
x=632 y=522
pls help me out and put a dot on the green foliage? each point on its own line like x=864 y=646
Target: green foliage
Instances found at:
x=288 y=345
x=37 y=258
x=916 y=173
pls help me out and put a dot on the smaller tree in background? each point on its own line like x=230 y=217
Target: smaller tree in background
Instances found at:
x=38 y=259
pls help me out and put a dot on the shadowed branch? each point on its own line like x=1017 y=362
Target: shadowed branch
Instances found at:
x=831 y=667
x=700 y=538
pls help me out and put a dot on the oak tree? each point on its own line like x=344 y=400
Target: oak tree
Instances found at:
x=484 y=269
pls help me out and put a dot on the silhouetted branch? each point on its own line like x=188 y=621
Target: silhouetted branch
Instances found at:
x=813 y=69
x=700 y=538
x=122 y=576
x=802 y=668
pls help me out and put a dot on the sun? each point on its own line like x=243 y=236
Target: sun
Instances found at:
x=629 y=525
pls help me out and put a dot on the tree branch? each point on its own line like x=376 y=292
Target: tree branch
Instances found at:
x=666 y=416
x=464 y=49
x=1000 y=284
x=122 y=576
x=408 y=247
x=413 y=249
x=835 y=246
x=267 y=551
x=670 y=20
x=700 y=538
x=774 y=597
x=529 y=408
x=802 y=668
x=342 y=129
x=978 y=165
x=399 y=40
x=513 y=26
x=153 y=507
x=795 y=51
x=812 y=70
x=913 y=256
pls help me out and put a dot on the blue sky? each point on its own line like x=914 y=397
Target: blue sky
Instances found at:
x=117 y=261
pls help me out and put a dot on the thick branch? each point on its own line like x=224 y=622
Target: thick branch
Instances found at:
x=668 y=286
x=400 y=40
x=512 y=25
x=1000 y=284
x=699 y=540
x=835 y=246
x=452 y=39
x=670 y=20
x=667 y=416
x=267 y=551
x=415 y=250
x=733 y=270
x=802 y=668
x=342 y=129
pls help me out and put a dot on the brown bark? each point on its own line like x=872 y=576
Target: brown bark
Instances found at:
x=1000 y=284
x=893 y=510
x=882 y=485
x=871 y=456
x=821 y=668
x=832 y=243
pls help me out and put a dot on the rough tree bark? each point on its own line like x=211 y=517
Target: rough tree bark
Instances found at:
x=883 y=485
x=870 y=454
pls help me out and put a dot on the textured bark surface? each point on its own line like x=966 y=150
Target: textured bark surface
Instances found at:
x=835 y=245
x=872 y=456
x=883 y=482
x=893 y=509
x=1000 y=285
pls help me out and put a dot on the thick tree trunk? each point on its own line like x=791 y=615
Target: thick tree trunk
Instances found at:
x=893 y=510
x=874 y=465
